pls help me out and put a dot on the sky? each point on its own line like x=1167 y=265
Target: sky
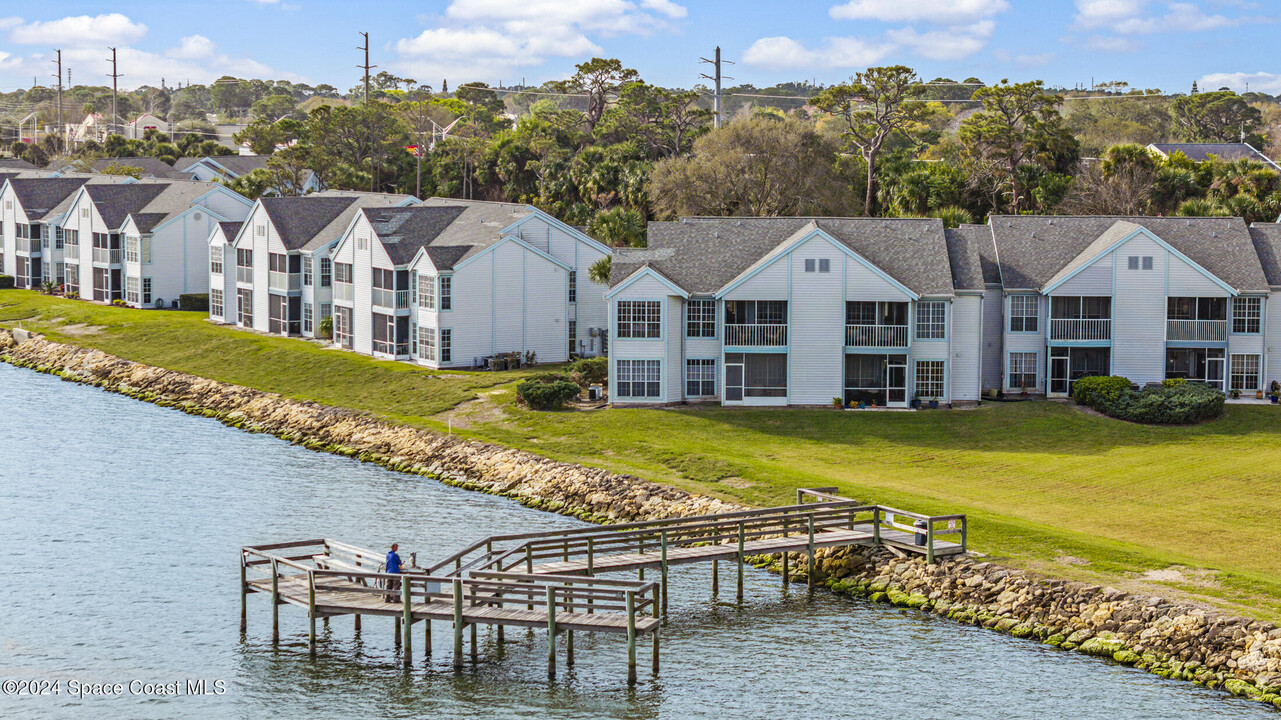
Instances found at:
x=1148 y=43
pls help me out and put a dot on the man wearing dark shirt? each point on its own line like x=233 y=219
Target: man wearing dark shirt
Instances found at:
x=393 y=568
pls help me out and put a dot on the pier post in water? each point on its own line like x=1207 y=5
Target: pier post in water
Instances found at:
x=663 y=562
x=458 y=624
x=427 y=637
x=741 y=559
x=551 y=633
x=569 y=648
x=716 y=578
x=631 y=637
x=311 y=612
x=655 y=633
x=275 y=603
x=811 y=571
x=406 y=597
x=356 y=624
x=244 y=594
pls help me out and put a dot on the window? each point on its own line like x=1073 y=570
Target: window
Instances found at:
x=824 y=265
x=326 y=310
x=446 y=345
x=809 y=265
x=58 y=238
x=1244 y=372
x=1247 y=313
x=132 y=249
x=573 y=335
x=1022 y=371
x=931 y=320
x=1133 y=262
x=146 y=291
x=573 y=286
x=245 y=307
x=930 y=381
x=1147 y=262
x=413 y=338
x=700 y=318
x=639 y=319
x=427 y=344
x=131 y=290
x=244 y=258
x=260 y=230
x=326 y=272
x=700 y=378
x=342 y=273
x=306 y=317
x=639 y=378
x=215 y=260
x=446 y=292
x=413 y=290
x=84 y=213
x=362 y=243
x=342 y=327
x=427 y=292
x=1025 y=311
x=306 y=271
x=215 y=302
x=70 y=237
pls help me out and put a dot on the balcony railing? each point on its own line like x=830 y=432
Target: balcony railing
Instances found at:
x=1080 y=329
x=284 y=281
x=105 y=256
x=245 y=275
x=892 y=336
x=1196 y=330
x=397 y=299
x=28 y=245
x=71 y=251
x=756 y=335
x=344 y=291
x=391 y=348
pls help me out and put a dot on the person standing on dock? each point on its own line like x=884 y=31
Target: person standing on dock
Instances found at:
x=393 y=568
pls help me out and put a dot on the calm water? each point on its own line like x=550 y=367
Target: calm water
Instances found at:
x=119 y=528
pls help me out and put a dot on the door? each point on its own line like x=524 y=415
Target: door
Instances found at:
x=733 y=383
x=896 y=381
x=1059 y=375
x=1214 y=367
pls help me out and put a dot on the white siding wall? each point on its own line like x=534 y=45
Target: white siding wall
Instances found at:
x=965 y=329
x=1025 y=342
x=993 y=335
x=1093 y=280
x=472 y=316
x=768 y=284
x=227 y=280
x=816 y=318
x=674 y=364
x=1272 y=338
x=1187 y=281
x=630 y=349
x=9 y=214
x=1139 y=309
x=344 y=252
x=261 y=245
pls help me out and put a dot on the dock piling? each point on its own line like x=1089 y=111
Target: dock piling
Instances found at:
x=551 y=633
x=631 y=637
x=244 y=595
x=655 y=632
x=311 y=612
x=809 y=575
x=716 y=578
x=458 y=624
x=275 y=602
x=741 y=560
x=406 y=597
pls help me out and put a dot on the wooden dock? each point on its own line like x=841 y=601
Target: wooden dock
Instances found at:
x=550 y=578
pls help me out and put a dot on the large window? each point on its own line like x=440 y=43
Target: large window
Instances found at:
x=931 y=320
x=215 y=260
x=427 y=292
x=930 y=378
x=756 y=312
x=446 y=345
x=427 y=343
x=640 y=319
x=215 y=302
x=245 y=308
x=343 y=327
x=639 y=378
x=306 y=317
x=1247 y=313
x=446 y=292
x=133 y=249
x=1023 y=371
x=1197 y=308
x=573 y=286
x=132 y=290
x=700 y=321
x=1244 y=372
x=1025 y=313
x=306 y=271
x=326 y=272
x=342 y=273
x=700 y=377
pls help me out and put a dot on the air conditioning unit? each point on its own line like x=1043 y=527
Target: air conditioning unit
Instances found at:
x=593 y=332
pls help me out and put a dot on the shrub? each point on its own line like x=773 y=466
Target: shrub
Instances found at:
x=549 y=391
x=118 y=302
x=326 y=328
x=6 y=282
x=1088 y=390
x=1174 y=382
x=194 y=302
x=589 y=371
x=1165 y=405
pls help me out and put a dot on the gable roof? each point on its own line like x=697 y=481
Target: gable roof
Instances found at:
x=151 y=167
x=116 y=202
x=704 y=254
x=230 y=228
x=39 y=196
x=1033 y=249
x=1200 y=152
x=1267 y=243
x=965 y=245
x=449 y=231
x=299 y=219
x=12 y=163
x=239 y=165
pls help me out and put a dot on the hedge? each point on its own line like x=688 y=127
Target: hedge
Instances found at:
x=549 y=391
x=589 y=371
x=6 y=282
x=1164 y=404
x=194 y=302
x=1088 y=390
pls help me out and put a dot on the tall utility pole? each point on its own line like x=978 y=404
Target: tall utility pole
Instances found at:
x=114 y=77
x=62 y=130
x=716 y=99
x=373 y=163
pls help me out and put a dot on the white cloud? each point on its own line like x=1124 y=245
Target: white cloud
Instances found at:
x=952 y=43
x=1102 y=13
x=940 y=12
x=493 y=39
x=784 y=53
x=79 y=31
x=1257 y=82
x=193 y=47
x=1140 y=17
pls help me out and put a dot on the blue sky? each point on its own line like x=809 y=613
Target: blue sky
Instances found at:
x=1148 y=43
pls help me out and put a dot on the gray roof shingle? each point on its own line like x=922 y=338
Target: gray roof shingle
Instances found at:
x=1267 y=243
x=39 y=197
x=1200 y=152
x=151 y=167
x=449 y=230
x=299 y=219
x=116 y=202
x=965 y=246
x=704 y=254
x=230 y=229
x=1033 y=249
x=16 y=164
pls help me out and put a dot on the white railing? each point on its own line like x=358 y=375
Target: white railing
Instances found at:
x=756 y=335
x=28 y=245
x=71 y=251
x=397 y=299
x=1196 y=330
x=106 y=256
x=284 y=281
x=894 y=336
x=344 y=291
x=1080 y=329
x=245 y=275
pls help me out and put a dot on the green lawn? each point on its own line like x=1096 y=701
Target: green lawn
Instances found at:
x=1045 y=485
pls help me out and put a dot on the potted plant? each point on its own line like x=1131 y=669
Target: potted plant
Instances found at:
x=916 y=401
x=934 y=403
x=1258 y=394
x=838 y=403
x=1235 y=394
x=1274 y=392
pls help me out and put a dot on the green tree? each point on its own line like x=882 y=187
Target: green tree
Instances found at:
x=875 y=105
x=1219 y=116
x=599 y=79
x=620 y=227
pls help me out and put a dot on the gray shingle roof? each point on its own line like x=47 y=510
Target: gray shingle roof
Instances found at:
x=299 y=219
x=1200 y=152
x=151 y=167
x=10 y=163
x=450 y=230
x=402 y=231
x=239 y=165
x=1267 y=243
x=40 y=196
x=116 y=202
x=230 y=229
x=1032 y=249
x=702 y=255
x=965 y=246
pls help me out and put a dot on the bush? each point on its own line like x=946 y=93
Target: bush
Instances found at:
x=6 y=282
x=1165 y=405
x=1174 y=382
x=1088 y=390
x=549 y=391
x=326 y=328
x=589 y=371
x=194 y=302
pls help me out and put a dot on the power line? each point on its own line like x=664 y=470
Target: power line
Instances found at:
x=373 y=176
x=62 y=129
x=114 y=75
x=716 y=99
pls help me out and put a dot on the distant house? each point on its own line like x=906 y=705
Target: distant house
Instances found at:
x=139 y=127
x=15 y=165
x=150 y=167
x=145 y=241
x=1200 y=152
x=272 y=273
x=453 y=282
x=226 y=168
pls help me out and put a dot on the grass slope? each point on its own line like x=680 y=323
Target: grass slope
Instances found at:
x=1045 y=485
